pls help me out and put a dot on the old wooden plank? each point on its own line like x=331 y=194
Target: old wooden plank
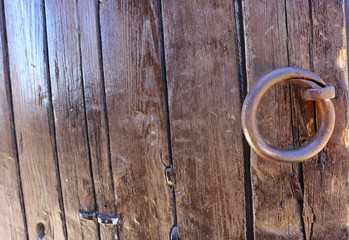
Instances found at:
x=94 y=94
x=303 y=115
x=33 y=119
x=68 y=106
x=276 y=211
x=326 y=178
x=136 y=114
x=204 y=101
x=299 y=34
x=299 y=42
x=12 y=222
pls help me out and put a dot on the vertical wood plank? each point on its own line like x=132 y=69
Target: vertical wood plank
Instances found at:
x=33 y=119
x=276 y=212
x=136 y=114
x=92 y=70
x=12 y=223
x=202 y=69
x=299 y=41
x=68 y=105
x=326 y=178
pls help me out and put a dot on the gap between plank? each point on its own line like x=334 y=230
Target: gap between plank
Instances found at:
x=294 y=137
x=167 y=109
x=246 y=147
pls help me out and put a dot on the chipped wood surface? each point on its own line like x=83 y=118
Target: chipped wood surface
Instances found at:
x=132 y=109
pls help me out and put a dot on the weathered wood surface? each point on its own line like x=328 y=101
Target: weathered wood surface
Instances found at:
x=311 y=37
x=326 y=181
x=63 y=43
x=277 y=214
x=202 y=70
x=94 y=94
x=34 y=119
x=98 y=87
x=12 y=213
x=136 y=114
x=299 y=32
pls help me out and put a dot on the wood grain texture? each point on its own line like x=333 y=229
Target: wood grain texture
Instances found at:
x=299 y=40
x=33 y=119
x=68 y=106
x=276 y=211
x=136 y=114
x=299 y=26
x=204 y=101
x=12 y=223
x=92 y=71
x=326 y=178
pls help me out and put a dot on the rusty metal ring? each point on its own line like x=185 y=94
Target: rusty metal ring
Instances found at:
x=307 y=80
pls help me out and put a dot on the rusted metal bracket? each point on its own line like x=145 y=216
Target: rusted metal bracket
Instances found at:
x=101 y=219
x=174 y=233
x=87 y=215
x=170 y=177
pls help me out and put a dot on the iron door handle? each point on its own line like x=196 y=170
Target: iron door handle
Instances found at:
x=315 y=90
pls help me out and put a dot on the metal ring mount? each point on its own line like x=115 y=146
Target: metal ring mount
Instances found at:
x=315 y=90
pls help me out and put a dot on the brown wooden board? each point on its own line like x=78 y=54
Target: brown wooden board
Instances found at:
x=299 y=40
x=25 y=23
x=202 y=68
x=136 y=114
x=326 y=194
x=92 y=71
x=12 y=221
x=299 y=32
x=68 y=106
x=277 y=214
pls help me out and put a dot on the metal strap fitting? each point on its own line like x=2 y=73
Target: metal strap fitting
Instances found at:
x=87 y=215
x=314 y=94
x=100 y=218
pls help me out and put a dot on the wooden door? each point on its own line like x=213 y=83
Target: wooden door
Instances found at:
x=130 y=110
